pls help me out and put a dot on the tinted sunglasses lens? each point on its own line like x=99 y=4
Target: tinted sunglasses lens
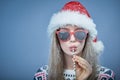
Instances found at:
x=63 y=35
x=80 y=35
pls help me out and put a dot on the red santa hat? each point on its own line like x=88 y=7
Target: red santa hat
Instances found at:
x=75 y=13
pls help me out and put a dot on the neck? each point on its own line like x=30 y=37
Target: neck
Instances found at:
x=68 y=63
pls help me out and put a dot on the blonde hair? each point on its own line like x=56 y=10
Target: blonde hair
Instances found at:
x=56 y=62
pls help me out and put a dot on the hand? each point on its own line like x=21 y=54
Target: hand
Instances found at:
x=83 y=68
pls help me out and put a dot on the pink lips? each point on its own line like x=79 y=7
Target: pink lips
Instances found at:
x=73 y=48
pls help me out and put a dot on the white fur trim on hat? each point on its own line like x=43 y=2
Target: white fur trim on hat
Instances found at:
x=74 y=18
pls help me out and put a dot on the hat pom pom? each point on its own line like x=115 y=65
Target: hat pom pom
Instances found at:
x=98 y=47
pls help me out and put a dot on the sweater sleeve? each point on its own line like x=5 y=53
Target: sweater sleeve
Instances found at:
x=105 y=74
x=42 y=73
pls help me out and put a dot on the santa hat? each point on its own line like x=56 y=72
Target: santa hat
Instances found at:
x=75 y=13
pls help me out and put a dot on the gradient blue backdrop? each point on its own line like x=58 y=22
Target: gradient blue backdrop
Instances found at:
x=24 y=44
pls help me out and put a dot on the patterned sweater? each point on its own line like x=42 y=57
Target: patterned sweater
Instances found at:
x=103 y=74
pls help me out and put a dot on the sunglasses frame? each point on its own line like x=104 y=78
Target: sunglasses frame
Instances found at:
x=72 y=33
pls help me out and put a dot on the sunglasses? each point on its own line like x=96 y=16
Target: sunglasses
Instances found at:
x=64 y=35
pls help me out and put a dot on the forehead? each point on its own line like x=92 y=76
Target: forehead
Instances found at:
x=71 y=27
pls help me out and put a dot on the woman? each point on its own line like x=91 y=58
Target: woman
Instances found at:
x=74 y=47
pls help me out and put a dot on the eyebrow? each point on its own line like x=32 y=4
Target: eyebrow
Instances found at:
x=80 y=29
x=64 y=28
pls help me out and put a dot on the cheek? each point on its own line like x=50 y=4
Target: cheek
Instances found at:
x=65 y=48
x=80 y=47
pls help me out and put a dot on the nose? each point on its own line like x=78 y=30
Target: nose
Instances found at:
x=72 y=38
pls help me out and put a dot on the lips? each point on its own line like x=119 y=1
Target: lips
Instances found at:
x=73 y=48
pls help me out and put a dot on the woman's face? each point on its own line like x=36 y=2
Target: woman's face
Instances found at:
x=72 y=43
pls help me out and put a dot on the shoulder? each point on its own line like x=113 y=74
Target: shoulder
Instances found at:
x=105 y=73
x=41 y=73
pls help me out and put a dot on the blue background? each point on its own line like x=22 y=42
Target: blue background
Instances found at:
x=24 y=43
